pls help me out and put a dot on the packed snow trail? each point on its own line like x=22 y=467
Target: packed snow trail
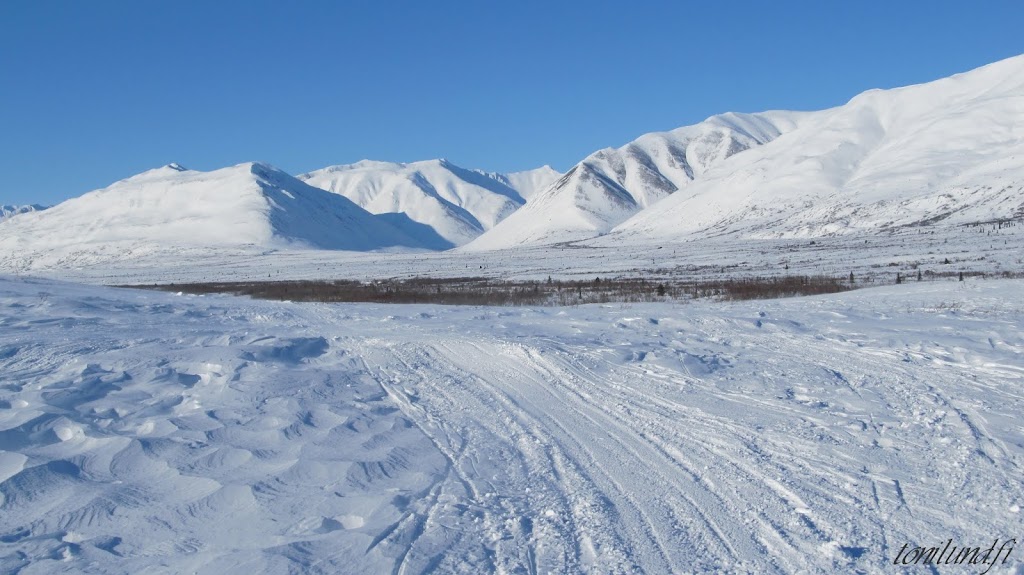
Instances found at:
x=661 y=470
x=151 y=432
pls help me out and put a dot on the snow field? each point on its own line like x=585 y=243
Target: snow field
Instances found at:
x=142 y=431
x=989 y=249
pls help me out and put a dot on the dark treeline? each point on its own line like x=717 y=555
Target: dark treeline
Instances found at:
x=483 y=291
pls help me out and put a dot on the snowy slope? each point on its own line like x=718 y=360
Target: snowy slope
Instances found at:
x=8 y=211
x=250 y=204
x=611 y=185
x=459 y=204
x=529 y=183
x=949 y=151
x=144 y=432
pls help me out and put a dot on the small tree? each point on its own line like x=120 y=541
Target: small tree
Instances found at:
x=899 y=280
x=661 y=289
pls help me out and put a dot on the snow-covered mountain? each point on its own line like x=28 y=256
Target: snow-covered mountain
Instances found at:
x=8 y=211
x=949 y=151
x=459 y=204
x=946 y=152
x=251 y=204
x=611 y=185
x=529 y=182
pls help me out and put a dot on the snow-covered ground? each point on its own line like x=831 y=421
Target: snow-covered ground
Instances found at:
x=149 y=432
x=990 y=248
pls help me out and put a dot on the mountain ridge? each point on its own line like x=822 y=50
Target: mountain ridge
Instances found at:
x=949 y=151
x=253 y=205
x=612 y=184
x=8 y=211
x=459 y=203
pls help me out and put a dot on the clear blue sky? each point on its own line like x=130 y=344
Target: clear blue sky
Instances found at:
x=92 y=92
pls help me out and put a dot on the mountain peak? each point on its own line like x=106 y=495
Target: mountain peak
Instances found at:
x=251 y=205
x=264 y=170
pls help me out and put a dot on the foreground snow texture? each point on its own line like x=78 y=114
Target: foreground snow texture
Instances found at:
x=148 y=432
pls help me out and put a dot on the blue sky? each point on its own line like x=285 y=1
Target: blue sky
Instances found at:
x=92 y=92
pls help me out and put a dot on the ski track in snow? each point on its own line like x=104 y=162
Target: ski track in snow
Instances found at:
x=148 y=432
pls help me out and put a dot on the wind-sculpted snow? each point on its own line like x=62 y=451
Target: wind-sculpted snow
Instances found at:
x=149 y=432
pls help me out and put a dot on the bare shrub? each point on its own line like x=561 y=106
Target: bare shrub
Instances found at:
x=494 y=292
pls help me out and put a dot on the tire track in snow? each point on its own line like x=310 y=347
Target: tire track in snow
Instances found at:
x=701 y=494
x=527 y=403
x=493 y=424
x=587 y=407
x=505 y=379
x=401 y=369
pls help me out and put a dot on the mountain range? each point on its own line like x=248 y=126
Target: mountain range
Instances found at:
x=9 y=211
x=949 y=151
x=611 y=185
x=459 y=204
x=945 y=152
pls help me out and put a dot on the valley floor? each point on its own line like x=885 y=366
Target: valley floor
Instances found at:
x=149 y=432
x=937 y=252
